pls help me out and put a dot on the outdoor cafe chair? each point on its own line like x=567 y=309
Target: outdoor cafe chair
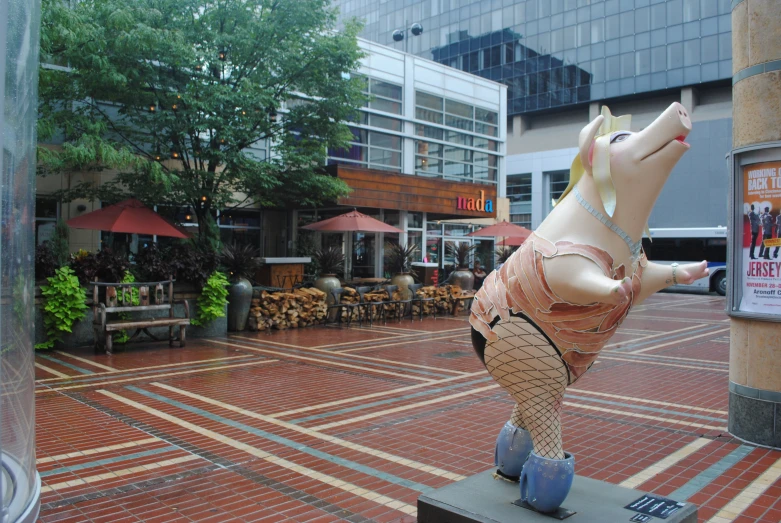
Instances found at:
x=366 y=306
x=401 y=305
x=339 y=306
x=420 y=300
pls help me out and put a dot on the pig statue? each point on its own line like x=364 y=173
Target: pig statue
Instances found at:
x=539 y=322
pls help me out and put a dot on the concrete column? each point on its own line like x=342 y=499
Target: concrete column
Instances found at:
x=755 y=346
x=520 y=125
x=689 y=98
x=594 y=108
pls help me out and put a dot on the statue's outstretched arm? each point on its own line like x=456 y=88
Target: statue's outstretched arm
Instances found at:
x=657 y=277
x=578 y=280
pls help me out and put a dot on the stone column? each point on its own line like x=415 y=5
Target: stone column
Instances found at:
x=755 y=346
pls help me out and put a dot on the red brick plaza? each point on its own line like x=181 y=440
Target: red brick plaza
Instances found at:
x=331 y=424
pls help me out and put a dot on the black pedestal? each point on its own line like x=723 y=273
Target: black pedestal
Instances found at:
x=481 y=498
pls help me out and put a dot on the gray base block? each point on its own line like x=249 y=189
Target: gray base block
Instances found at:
x=481 y=498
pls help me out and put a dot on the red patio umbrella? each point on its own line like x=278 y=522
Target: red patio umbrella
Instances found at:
x=514 y=242
x=504 y=229
x=130 y=217
x=352 y=221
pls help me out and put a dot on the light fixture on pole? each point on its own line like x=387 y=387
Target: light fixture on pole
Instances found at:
x=398 y=35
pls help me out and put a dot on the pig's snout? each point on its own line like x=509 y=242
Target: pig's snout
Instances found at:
x=673 y=124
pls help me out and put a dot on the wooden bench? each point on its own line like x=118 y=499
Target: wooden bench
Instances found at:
x=118 y=297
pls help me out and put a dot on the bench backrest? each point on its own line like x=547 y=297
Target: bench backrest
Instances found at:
x=121 y=296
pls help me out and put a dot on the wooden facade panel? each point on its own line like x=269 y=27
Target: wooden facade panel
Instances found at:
x=381 y=189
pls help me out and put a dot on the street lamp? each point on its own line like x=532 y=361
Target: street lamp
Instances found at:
x=398 y=35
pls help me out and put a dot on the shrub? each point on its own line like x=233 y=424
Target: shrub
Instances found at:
x=153 y=263
x=212 y=301
x=64 y=304
x=192 y=263
x=45 y=261
x=105 y=265
x=122 y=336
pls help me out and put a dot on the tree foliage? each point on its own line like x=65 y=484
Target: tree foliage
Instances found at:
x=187 y=100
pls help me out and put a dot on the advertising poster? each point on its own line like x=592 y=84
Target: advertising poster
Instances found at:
x=761 y=278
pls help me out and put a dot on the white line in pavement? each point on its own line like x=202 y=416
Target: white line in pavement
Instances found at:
x=748 y=495
x=665 y=463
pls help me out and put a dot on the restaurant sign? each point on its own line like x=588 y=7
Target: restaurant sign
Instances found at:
x=472 y=204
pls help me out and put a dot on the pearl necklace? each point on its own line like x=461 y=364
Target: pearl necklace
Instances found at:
x=635 y=248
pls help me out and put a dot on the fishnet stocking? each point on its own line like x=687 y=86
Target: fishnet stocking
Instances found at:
x=529 y=368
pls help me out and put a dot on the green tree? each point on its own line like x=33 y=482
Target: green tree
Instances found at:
x=186 y=98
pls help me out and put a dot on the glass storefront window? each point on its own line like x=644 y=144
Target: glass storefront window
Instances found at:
x=416 y=238
x=414 y=220
x=363 y=255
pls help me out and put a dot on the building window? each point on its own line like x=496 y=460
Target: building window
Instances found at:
x=434 y=109
x=450 y=160
x=524 y=220
x=240 y=226
x=383 y=96
x=46 y=214
x=557 y=183
x=519 y=188
x=369 y=149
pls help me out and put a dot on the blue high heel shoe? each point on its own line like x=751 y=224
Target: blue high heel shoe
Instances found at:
x=512 y=449
x=546 y=482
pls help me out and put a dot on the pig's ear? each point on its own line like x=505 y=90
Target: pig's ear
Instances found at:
x=585 y=140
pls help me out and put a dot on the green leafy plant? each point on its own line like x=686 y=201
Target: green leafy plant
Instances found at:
x=122 y=336
x=398 y=258
x=239 y=260
x=503 y=254
x=461 y=253
x=197 y=84
x=64 y=304
x=212 y=301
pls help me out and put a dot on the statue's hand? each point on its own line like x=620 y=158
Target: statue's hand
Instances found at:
x=690 y=272
x=620 y=293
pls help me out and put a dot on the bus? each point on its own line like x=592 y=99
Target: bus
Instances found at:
x=692 y=245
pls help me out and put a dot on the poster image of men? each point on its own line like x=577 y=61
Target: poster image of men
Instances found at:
x=760 y=286
x=778 y=233
x=753 y=219
x=768 y=224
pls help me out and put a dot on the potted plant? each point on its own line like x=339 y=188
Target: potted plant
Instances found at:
x=398 y=260
x=330 y=261
x=462 y=276
x=240 y=262
x=503 y=254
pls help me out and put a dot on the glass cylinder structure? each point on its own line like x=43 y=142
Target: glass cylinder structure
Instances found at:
x=20 y=484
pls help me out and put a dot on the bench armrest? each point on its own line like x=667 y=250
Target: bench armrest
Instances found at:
x=186 y=307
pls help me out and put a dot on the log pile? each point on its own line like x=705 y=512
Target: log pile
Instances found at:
x=443 y=302
x=285 y=310
x=302 y=307
x=350 y=295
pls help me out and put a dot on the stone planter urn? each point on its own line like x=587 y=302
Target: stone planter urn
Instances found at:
x=325 y=283
x=403 y=280
x=239 y=302
x=464 y=278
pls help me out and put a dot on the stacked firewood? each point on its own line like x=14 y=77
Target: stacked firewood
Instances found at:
x=444 y=300
x=350 y=296
x=285 y=310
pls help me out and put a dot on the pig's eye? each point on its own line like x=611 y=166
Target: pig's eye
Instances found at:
x=620 y=137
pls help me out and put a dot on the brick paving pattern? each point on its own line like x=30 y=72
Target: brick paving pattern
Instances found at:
x=336 y=424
